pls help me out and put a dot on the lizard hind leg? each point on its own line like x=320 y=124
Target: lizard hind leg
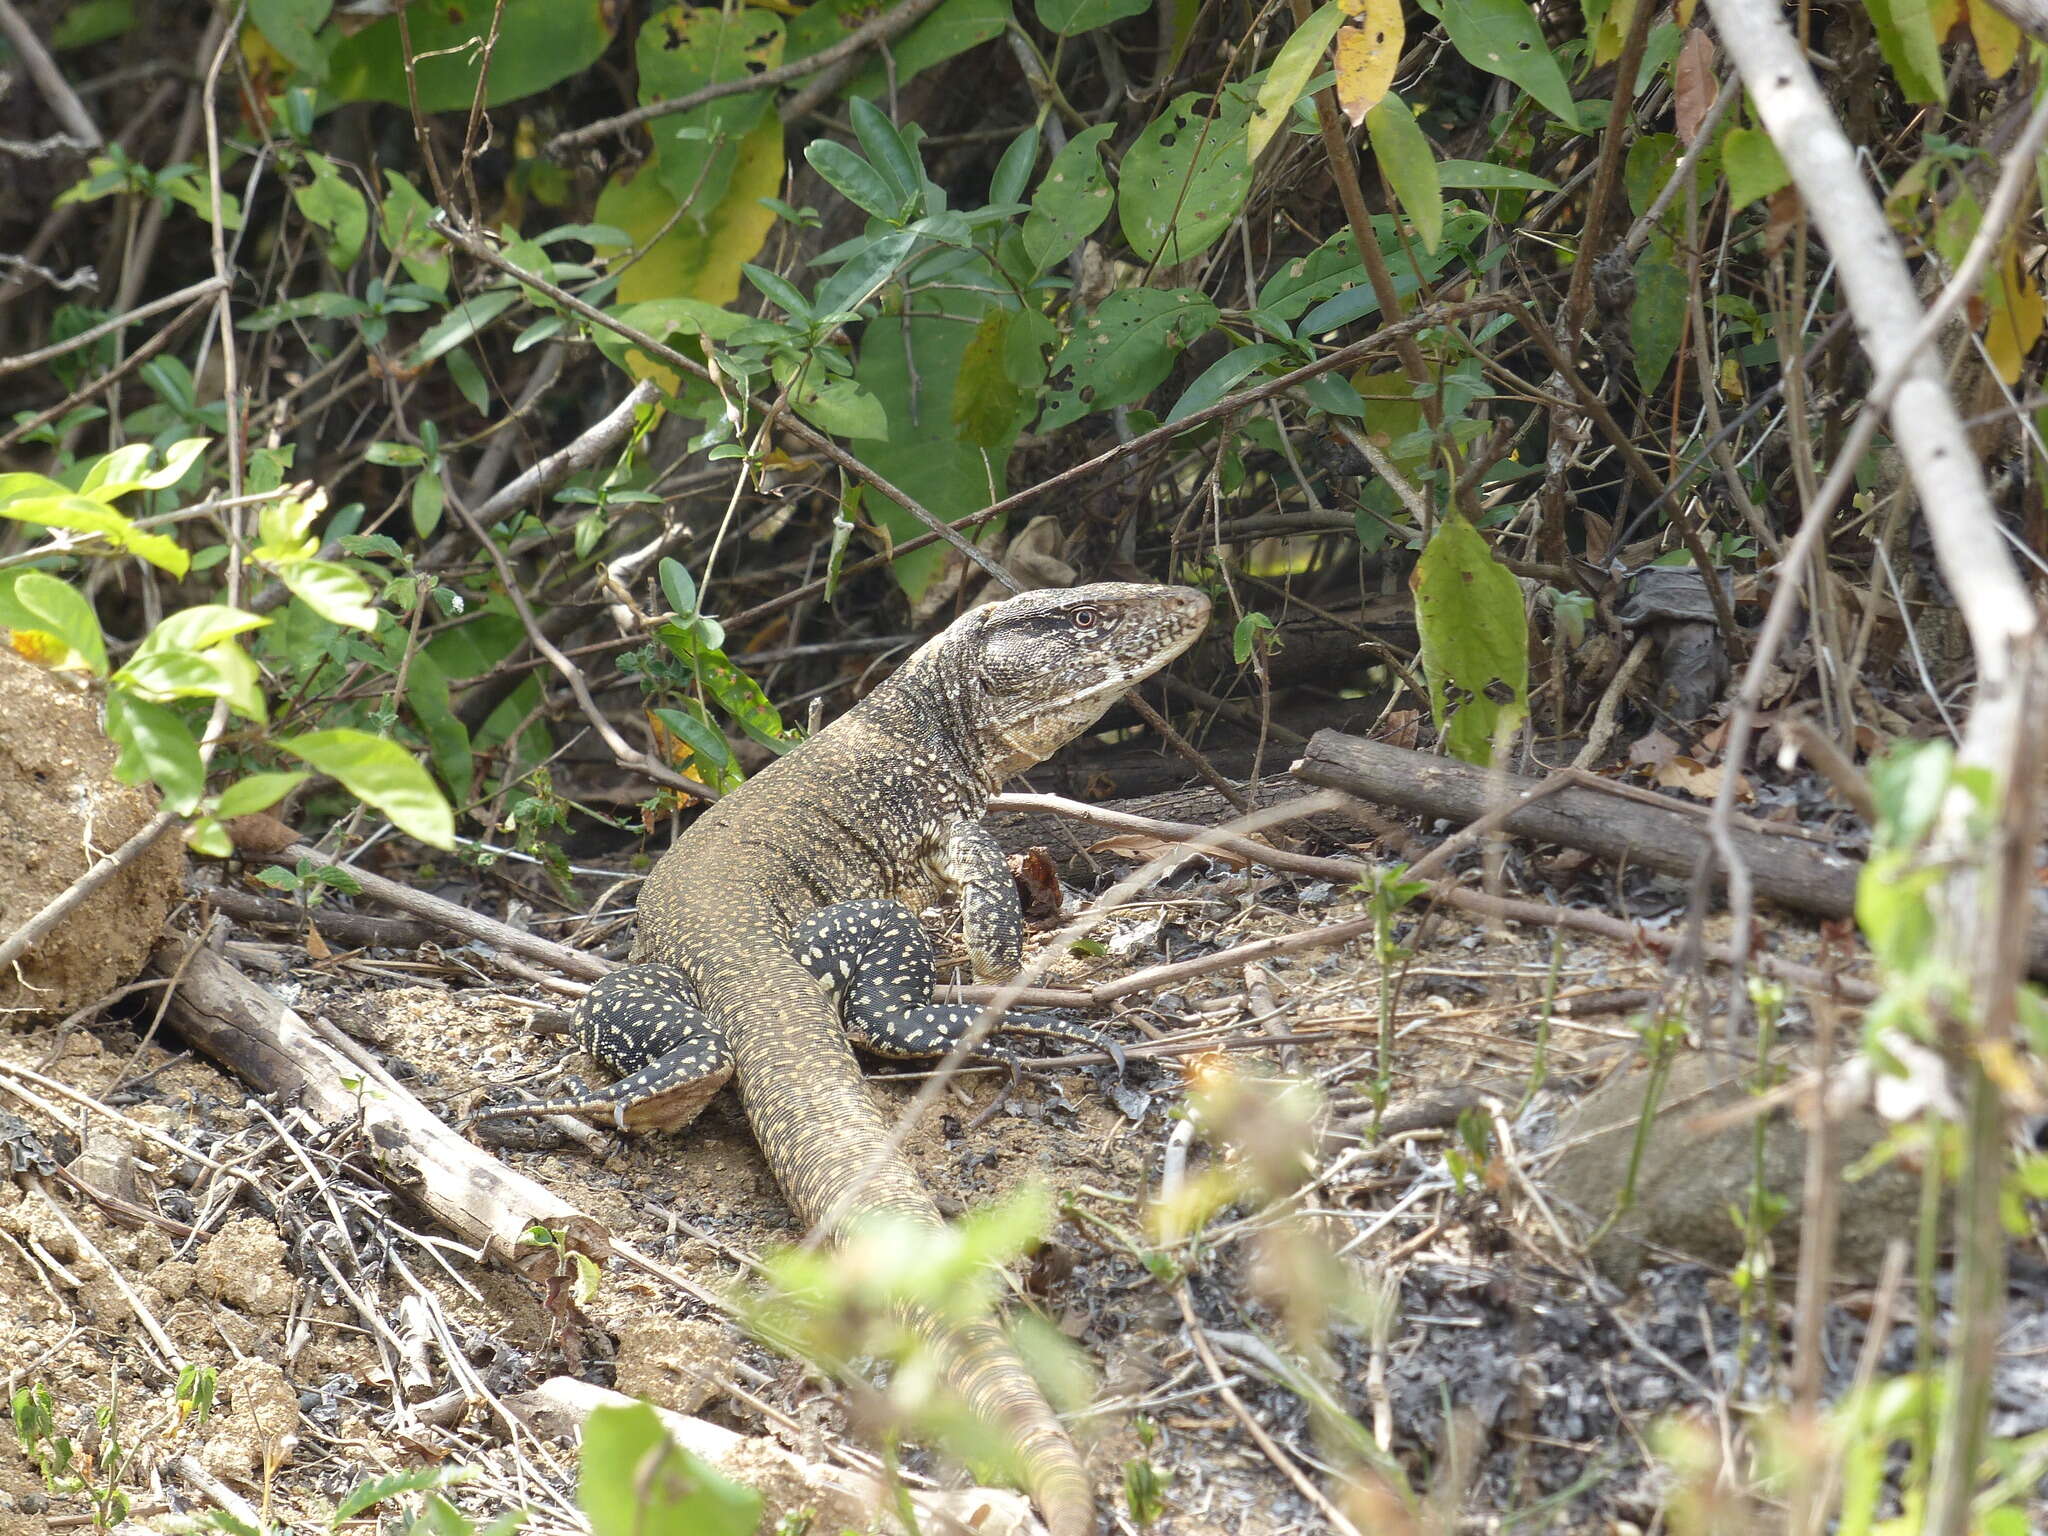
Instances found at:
x=643 y=1022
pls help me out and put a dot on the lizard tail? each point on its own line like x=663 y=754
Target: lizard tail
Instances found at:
x=828 y=1147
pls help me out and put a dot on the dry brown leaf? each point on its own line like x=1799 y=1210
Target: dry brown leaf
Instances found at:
x=1652 y=749
x=1693 y=86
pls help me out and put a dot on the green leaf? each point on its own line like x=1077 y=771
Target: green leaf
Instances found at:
x=1475 y=640
x=711 y=752
x=1013 y=171
x=854 y=179
x=331 y=590
x=636 y=1479
x=831 y=401
x=289 y=27
x=1754 y=167
x=1123 y=351
x=986 y=401
x=199 y=628
x=155 y=745
x=1480 y=176
x=1186 y=177
x=447 y=738
x=469 y=316
x=887 y=151
x=678 y=587
x=1293 y=67
x=381 y=774
x=1502 y=38
x=330 y=201
x=1409 y=165
x=1246 y=636
x=913 y=368
x=1905 y=35
x=1656 y=318
x=1069 y=18
x=258 y=792
x=369 y=1494
x=406 y=221
x=1071 y=201
x=91 y=21
x=1222 y=376
x=62 y=610
x=539 y=42
x=955 y=27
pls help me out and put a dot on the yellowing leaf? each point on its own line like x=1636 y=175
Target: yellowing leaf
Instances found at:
x=1945 y=14
x=2015 y=320
x=1998 y=40
x=1366 y=56
x=1612 y=32
x=688 y=262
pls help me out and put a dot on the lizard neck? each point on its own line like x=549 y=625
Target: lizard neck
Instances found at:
x=930 y=706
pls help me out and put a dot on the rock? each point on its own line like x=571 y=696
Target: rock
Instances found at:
x=60 y=808
x=1689 y=1183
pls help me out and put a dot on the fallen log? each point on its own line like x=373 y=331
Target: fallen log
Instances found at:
x=1787 y=871
x=273 y=1049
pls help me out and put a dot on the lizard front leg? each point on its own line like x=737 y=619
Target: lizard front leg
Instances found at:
x=990 y=915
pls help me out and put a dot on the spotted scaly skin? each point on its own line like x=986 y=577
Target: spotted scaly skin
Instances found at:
x=885 y=803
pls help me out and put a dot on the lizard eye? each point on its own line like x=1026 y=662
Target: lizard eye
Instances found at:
x=1086 y=618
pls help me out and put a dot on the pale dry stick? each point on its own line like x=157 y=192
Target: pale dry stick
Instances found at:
x=1993 y=602
x=2005 y=639
x=880 y=30
x=50 y=82
x=90 y=1105
x=1891 y=1277
x=471 y=925
x=1688 y=164
x=231 y=367
x=1514 y=909
x=1283 y=1462
x=204 y=289
x=1604 y=718
x=166 y=1350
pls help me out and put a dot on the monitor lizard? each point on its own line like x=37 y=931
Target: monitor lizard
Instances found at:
x=801 y=876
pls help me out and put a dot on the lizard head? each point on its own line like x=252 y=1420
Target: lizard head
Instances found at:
x=1038 y=669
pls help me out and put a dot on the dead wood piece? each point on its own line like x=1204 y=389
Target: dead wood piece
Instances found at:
x=1794 y=874
x=274 y=1050
x=853 y=1499
x=344 y=927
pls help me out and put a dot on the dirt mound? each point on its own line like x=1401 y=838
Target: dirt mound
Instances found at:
x=60 y=810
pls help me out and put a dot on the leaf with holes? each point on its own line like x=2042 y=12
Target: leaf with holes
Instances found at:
x=1123 y=351
x=1502 y=38
x=1475 y=640
x=1071 y=201
x=1186 y=177
x=1366 y=55
x=683 y=49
